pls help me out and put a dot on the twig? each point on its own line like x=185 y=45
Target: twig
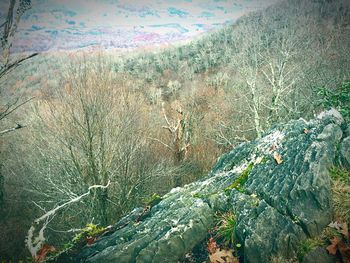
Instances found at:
x=154 y=139
x=7 y=68
x=18 y=126
x=8 y=111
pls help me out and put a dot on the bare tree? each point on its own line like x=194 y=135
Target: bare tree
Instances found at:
x=179 y=129
x=247 y=62
x=93 y=132
x=7 y=32
x=15 y=11
x=268 y=66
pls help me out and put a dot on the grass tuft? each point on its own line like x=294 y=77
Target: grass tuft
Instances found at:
x=341 y=193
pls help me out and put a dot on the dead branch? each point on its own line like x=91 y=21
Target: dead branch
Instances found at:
x=9 y=67
x=35 y=243
x=18 y=126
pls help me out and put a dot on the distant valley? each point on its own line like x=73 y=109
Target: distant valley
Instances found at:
x=68 y=25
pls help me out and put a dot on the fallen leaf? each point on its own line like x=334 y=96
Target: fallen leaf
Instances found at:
x=332 y=248
x=335 y=225
x=223 y=256
x=278 y=158
x=41 y=255
x=90 y=240
x=212 y=246
x=344 y=252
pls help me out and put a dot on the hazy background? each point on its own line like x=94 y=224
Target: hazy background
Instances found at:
x=66 y=25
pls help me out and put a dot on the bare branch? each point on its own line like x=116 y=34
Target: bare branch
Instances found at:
x=35 y=243
x=168 y=128
x=157 y=140
x=9 y=67
x=8 y=111
x=19 y=126
x=166 y=118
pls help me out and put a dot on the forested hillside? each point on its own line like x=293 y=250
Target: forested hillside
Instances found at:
x=145 y=122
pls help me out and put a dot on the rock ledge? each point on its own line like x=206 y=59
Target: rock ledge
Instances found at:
x=284 y=198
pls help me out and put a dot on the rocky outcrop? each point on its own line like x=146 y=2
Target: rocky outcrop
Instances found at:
x=277 y=186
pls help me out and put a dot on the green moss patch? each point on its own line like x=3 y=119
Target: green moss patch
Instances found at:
x=239 y=182
x=152 y=200
x=90 y=231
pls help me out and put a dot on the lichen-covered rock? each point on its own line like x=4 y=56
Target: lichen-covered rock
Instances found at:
x=345 y=152
x=278 y=187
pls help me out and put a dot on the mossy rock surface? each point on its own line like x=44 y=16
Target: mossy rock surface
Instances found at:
x=285 y=198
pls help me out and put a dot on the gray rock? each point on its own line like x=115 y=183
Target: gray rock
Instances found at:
x=345 y=152
x=278 y=206
x=318 y=255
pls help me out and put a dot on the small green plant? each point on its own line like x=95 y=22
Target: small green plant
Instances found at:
x=67 y=246
x=295 y=219
x=86 y=236
x=152 y=200
x=198 y=195
x=329 y=233
x=338 y=98
x=205 y=196
x=340 y=174
x=308 y=245
x=90 y=230
x=239 y=182
x=226 y=229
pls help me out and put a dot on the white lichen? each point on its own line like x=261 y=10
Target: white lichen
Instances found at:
x=199 y=203
x=178 y=228
x=273 y=140
x=175 y=190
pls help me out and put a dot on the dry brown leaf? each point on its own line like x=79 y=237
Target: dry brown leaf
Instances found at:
x=332 y=248
x=223 y=256
x=90 y=240
x=335 y=225
x=278 y=158
x=344 y=252
x=342 y=228
x=212 y=246
x=41 y=255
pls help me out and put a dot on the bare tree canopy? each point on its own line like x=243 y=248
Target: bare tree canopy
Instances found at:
x=7 y=32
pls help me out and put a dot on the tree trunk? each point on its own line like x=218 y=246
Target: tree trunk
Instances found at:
x=1 y=188
x=100 y=206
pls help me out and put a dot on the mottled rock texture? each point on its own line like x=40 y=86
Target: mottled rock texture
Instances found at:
x=319 y=255
x=345 y=152
x=277 y=186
